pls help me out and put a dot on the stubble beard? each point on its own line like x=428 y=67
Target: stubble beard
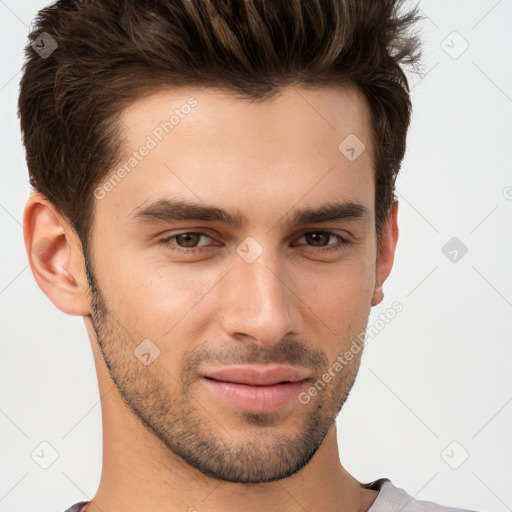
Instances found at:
x=266 y=454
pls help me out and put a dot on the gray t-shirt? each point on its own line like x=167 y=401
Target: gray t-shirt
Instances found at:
x=390 y=499
x=393 y=499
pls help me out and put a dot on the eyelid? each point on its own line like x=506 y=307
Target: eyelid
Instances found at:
x=333 y=231
x=324 y=231
x=166 y=239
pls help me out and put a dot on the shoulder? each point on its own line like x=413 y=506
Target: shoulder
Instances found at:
x=391 y=499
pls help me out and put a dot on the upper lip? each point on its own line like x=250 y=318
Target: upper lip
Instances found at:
x=258 y=375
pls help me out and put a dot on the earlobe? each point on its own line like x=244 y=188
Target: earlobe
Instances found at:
x=55 y=256
x=386 y=256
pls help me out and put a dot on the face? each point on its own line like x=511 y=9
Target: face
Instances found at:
x=231 y=264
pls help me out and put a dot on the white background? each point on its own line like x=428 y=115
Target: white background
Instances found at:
x=438 y=373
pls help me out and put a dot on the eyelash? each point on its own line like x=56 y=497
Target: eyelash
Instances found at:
x=316 y=250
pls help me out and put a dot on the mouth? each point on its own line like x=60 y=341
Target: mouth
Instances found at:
x=256 y=388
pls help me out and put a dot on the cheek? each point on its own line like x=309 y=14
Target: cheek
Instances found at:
x=169 y=301
x=338 y=304
x=348 y=287
x=147 y=299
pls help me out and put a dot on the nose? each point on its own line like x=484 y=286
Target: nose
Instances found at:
x=259 y=302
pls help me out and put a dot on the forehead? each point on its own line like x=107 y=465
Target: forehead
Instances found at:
x=212 y=146
x=293 y=114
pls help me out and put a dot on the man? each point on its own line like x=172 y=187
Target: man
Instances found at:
x=214 y=195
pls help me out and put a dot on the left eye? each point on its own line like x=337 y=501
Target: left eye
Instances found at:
x=320 y=236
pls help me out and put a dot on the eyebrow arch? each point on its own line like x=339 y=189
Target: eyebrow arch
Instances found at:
x=168 y=210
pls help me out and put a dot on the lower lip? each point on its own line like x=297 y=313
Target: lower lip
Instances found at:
x=256 y=398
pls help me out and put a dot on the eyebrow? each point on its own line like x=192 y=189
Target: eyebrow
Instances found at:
x=169 y=210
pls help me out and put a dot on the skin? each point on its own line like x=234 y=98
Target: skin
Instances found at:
x=168 y=442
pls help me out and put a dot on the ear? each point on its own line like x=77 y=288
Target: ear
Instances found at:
x=55 y=256
x=386 y=255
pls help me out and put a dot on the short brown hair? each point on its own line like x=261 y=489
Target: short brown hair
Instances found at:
x=112 y=52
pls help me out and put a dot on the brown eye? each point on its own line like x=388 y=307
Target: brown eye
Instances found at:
x=318 y=238
x=318 y=241
x=188 y=239
x=186 y=242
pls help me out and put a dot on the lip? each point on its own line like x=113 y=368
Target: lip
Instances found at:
x=256 y=388
x=255 y=375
